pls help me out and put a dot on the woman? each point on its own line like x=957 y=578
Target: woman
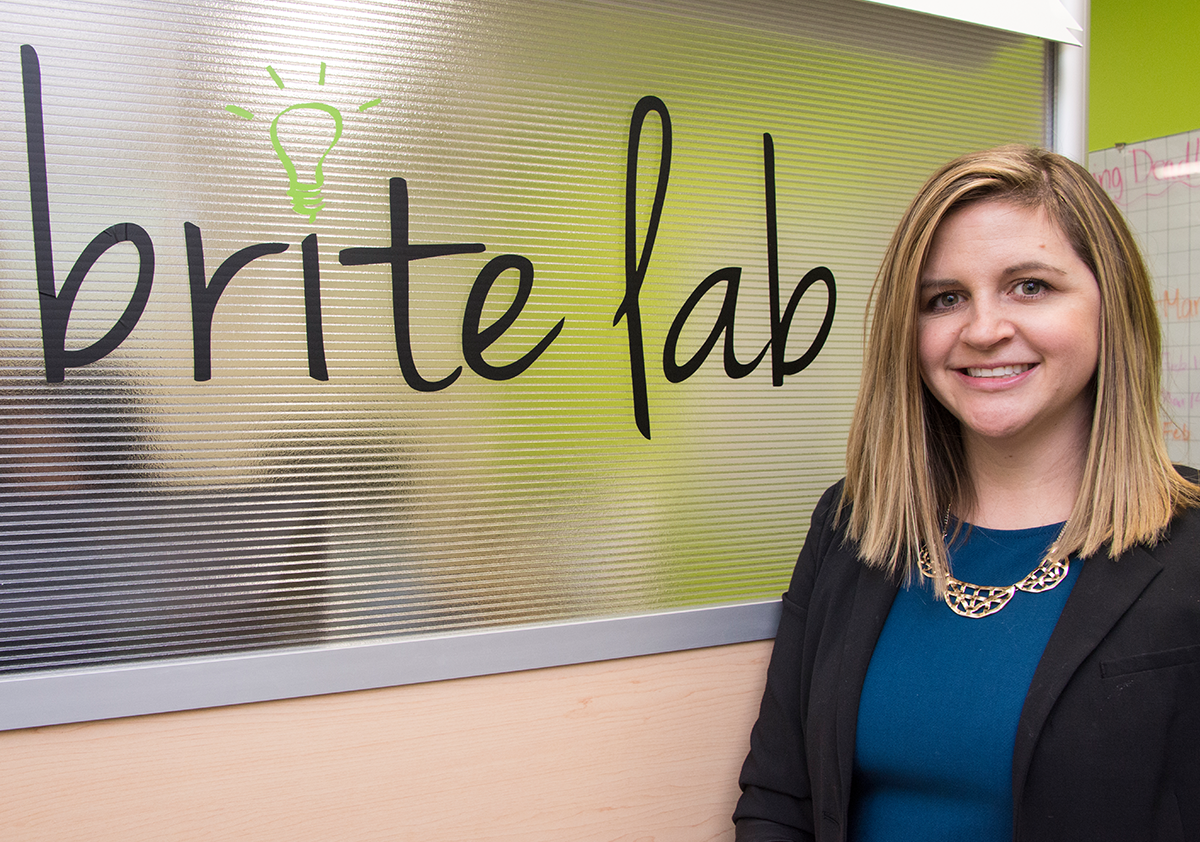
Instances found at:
x=993 y=629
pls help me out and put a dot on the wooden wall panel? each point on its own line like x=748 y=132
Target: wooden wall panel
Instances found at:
x=638 y=750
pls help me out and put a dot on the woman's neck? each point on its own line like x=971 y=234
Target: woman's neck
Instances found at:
x=1019 y=486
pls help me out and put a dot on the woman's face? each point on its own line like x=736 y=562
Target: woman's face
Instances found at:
x=1009 y=327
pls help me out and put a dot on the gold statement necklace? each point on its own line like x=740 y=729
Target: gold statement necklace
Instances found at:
x=975 y=601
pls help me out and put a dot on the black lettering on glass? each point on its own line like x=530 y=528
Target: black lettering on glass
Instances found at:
x=398 y=254
x=635 y=264
x=780 y=325
x=676 y=373
x=55 y=305
x=315 y=338
x=476 y=341
x=206 y=295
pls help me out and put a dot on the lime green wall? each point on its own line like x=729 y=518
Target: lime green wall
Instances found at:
x=1144 y=68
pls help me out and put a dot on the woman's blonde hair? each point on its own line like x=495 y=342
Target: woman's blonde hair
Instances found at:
x=905 y=463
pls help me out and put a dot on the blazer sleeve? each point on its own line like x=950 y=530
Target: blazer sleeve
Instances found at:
x=776 y=803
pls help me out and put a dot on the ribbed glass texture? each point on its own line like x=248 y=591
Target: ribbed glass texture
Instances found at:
x=253 y=467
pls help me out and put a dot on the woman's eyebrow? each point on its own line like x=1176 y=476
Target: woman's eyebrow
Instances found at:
x=936 y=283
x=1034 y=265
x=1014 y=269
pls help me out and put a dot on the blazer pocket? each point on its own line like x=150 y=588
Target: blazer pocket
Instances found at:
x=792 y=607
x=1150 y=661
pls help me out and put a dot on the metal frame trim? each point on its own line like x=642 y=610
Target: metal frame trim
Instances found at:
x=62 y=696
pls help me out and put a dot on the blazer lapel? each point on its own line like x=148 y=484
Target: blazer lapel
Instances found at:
x=1104 y=591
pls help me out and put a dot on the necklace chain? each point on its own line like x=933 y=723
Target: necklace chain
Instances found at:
x=968 y=600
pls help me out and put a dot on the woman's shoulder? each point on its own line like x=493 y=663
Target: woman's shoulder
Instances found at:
x=1187 y=519
x=1179 y=544
x=832 y=496
x=827 y=527
x=827 y=515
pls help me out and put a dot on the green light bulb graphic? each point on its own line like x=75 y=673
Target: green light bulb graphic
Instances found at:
x=304 y=183
x=303 y=189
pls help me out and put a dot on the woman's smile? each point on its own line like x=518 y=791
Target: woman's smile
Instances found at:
x=999 y=371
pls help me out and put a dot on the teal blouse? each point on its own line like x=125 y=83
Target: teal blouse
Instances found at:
x=937 y=718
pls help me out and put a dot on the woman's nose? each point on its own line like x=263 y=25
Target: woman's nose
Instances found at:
x=987 y=325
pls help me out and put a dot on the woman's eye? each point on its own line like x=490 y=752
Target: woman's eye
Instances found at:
x=945 y=300
x=1030 y=287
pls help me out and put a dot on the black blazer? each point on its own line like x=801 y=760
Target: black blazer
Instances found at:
x=1108 y=743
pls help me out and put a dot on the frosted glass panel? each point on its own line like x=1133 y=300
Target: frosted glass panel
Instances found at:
x=329 y=322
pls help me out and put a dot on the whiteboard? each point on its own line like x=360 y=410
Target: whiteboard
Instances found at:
x=1156 y=184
